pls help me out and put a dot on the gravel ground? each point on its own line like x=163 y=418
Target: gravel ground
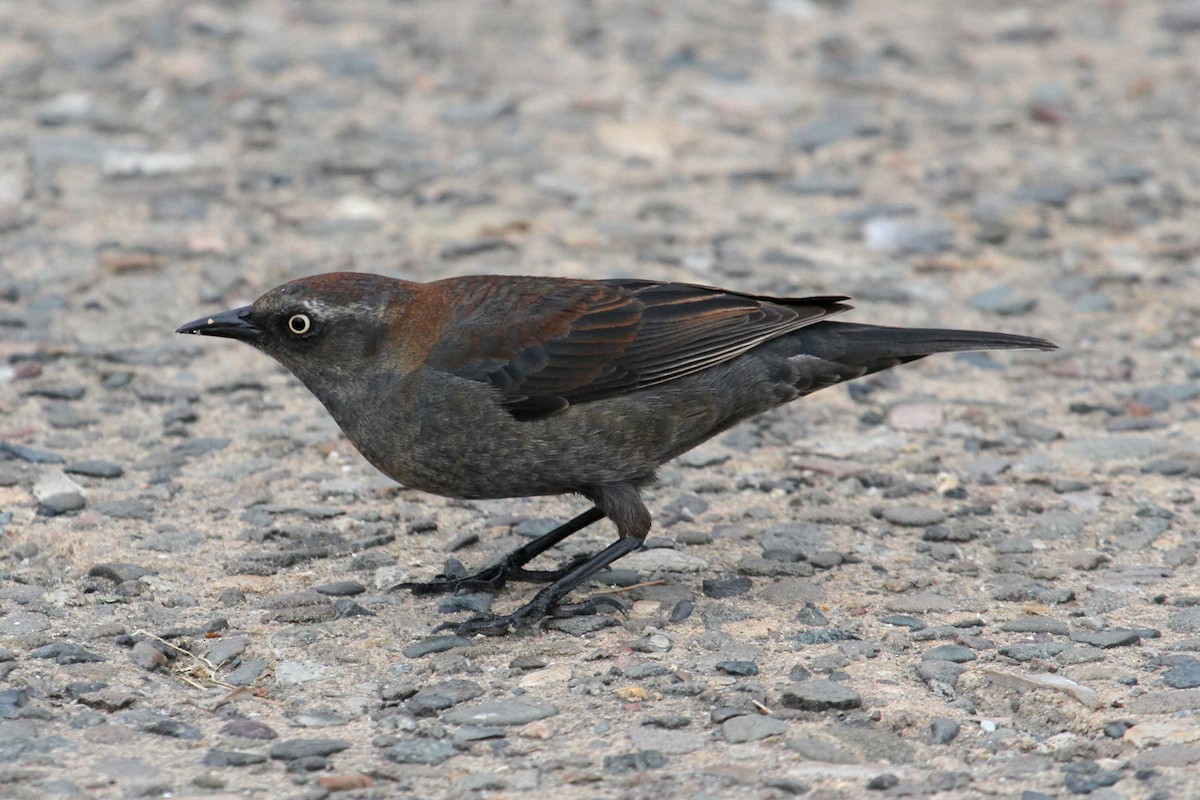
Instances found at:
x=972 y=576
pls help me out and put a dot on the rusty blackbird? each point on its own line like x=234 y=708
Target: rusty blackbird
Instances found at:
x=498 y=386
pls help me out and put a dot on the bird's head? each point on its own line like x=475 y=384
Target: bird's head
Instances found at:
x=323 y=328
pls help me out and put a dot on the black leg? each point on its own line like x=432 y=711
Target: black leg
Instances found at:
x=512 y=565
x=548 y=598
x=624 y=507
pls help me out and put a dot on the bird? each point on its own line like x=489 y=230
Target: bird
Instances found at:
x=491 y=386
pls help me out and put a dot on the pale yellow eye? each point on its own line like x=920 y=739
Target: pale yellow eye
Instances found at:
x=299 y=324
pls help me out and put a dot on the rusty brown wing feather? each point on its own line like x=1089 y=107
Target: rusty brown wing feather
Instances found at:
x=590 y=340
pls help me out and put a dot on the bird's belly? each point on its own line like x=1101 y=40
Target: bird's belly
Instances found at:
x=454 y=439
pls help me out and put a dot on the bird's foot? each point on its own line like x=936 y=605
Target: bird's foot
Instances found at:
x=489 y=579
x=529 y=614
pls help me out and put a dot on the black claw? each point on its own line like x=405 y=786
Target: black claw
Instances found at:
x=490 y=625
x=590 y=606
x=491 y=579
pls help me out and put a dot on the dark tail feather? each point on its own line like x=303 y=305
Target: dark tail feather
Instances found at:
x=846 y=350
x=907 y=343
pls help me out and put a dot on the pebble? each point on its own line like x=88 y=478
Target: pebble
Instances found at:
x=913 y=516
x=681 y=611
x=1033 y=651
x=345 y=607
x=667 y=721
x=720 y=588
x=1107 y=639
x=1184 y=675
x=500 y=712
x=943 y=730
x=249 y=671
x=65 y=653
x=292 y=749
x=659 y=560
x=1168 y=466
x=751 y=728
x=29 y=454
x=820 y=695
x=949 y=652
x=702 y=459
x=248 y=729
x=95 y=469
x=438 y=697
x=420 y=751
x=476 y=733
x=119 y=572
x=173 y=728
x=435 y=644
x=63 y=503
x=147 y=656
x=904 y=621
x=936 y=672
x=340 y=588
x=738 y=668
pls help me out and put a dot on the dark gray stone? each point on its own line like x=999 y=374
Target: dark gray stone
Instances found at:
x=1107 y=639
x=248 y=672
x=720 y=588
x=292 y=749
x=943 y=730
x=940 y=673
x=60 y=503
x=912 y=516
x=1032 y=651
x=820 y=696
x=95 y=469
x=739 y=668
x=751 y=728
x=435 y=644
x=500 y=712
x=438 y=697
x=119 y=572
x=955 y=653
x=420 y=751
x=1184 y=675
x=66 y=653
x=29 y=454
